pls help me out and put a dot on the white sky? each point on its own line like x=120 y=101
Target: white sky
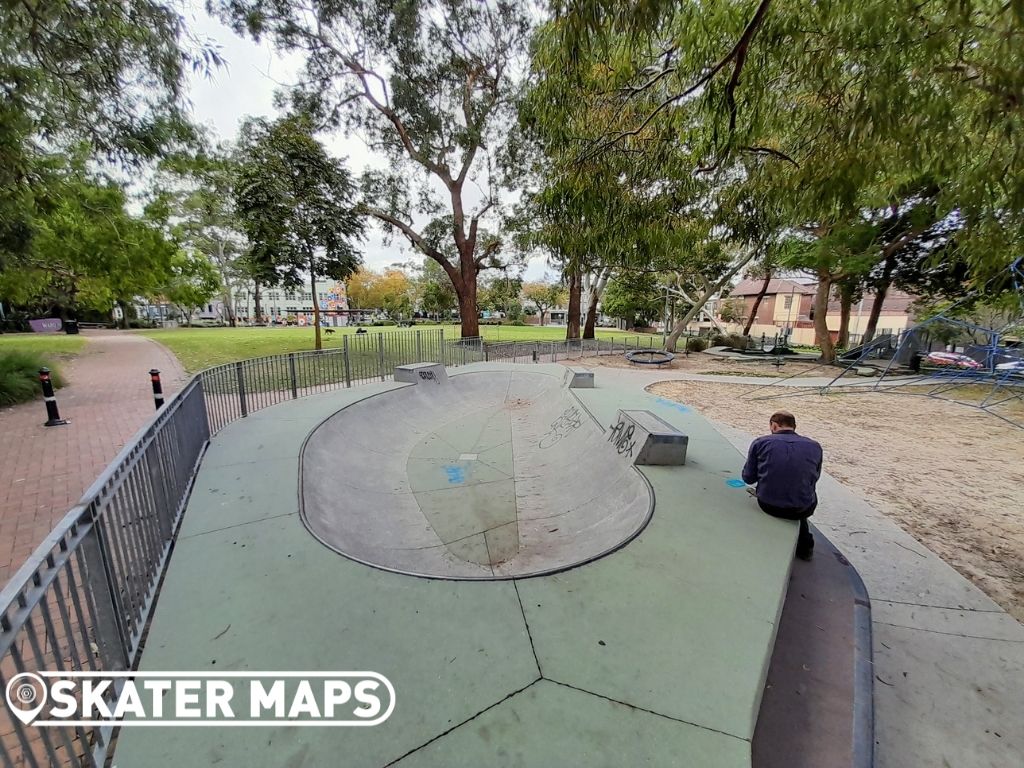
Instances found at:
x=246 y=85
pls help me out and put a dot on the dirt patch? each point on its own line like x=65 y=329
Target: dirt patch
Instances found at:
x=709 y=365
x=950 y=475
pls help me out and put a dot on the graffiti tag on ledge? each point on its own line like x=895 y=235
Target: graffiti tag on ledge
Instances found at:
x=429 y=376
x=621 y=436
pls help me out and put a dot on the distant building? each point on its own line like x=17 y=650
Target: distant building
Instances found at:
x=280 y=304
x=788 y=305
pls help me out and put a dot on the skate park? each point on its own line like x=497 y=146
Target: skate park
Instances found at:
x=412 y=527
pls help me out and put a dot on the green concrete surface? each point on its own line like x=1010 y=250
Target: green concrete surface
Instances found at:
x=652 y=655
x=519 y=732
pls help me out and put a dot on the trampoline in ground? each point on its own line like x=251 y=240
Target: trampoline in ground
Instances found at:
x=433 y=556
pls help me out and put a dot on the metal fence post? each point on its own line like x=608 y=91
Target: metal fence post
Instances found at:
x=419 y=347
x=380 y=354
x=53 y=418
x=240 y=376
x=158 y=390
x=348 y=365
x=295 y=378
x=104 y=598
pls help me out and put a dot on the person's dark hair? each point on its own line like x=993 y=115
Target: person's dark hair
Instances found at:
x=784 y=419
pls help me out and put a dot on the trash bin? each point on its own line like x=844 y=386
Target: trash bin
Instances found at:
x=71 y=326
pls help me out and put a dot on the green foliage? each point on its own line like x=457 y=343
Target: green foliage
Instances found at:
x=19 y=375
x=432 y=85
x=881 y=138
x=193 y=200
x=295 y=203
x=634 y=299
x=732 y=310
x=107 y=74
x=192 y=282
x=544 y=296
x=696 y=344
x=87 y=251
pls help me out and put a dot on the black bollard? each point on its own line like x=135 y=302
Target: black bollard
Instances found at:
x=53 y=418
x=158 y=390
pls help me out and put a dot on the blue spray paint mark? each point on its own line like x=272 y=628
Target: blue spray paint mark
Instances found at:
x=456 y=474
x=672 y=404
x=735 y=482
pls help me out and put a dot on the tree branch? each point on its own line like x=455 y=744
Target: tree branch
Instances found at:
x=414 y=237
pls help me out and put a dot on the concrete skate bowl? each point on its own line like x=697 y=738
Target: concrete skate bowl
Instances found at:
x=483 y=475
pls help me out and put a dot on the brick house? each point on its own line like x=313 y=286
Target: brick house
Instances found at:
x=788 y=305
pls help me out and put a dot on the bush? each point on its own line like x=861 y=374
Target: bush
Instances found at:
x=378 y=323
x=732 y=340
x=19 y=376
x=696 y=344
x=736 y=341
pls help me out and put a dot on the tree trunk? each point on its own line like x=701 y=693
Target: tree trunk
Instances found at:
x=588 y=327
x=821 y=334
x=257 y=308
x=757 y=303
x=467 y=309
x=701 y=302
x=880 y=291
x=572 y=329
x=845 y=304
x=593 y=297
x=316 y=304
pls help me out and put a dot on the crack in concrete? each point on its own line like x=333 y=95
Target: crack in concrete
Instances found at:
x=949 y=634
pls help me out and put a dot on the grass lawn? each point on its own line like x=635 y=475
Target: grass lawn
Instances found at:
x=200 y=348
x=21 y=357
x=46 y=344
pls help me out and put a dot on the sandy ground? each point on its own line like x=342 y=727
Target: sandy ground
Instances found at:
x=950 y=475
x=711 y=365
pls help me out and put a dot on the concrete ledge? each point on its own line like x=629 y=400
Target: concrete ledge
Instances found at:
x=421 y=373
x=817 y=710
x=579 y=378
x=647 y=439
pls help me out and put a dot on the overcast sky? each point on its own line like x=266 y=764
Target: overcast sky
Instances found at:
x=246 y=85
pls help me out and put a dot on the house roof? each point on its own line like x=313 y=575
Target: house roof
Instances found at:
x=776 y=285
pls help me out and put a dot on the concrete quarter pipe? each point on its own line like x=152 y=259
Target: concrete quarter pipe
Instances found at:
x=484 y=475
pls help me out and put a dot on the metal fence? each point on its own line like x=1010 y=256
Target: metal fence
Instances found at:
x=83 y=599
x=235 y=390
x=553 y=351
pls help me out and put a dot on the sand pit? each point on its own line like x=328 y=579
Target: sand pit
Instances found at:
x=950 y=475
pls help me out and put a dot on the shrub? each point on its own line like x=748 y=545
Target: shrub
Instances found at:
x=736 y=341
x=379 y=323
x=696 y=344
x=19 y=376
x=718 y=340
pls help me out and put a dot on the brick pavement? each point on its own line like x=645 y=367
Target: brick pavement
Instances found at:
x=44 y=471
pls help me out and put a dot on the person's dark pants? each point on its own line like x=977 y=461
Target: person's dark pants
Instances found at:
x=805 y=540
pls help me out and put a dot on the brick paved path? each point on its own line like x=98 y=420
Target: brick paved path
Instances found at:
x=44 y=471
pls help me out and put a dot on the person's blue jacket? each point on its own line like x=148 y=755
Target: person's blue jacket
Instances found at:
x=786 y=467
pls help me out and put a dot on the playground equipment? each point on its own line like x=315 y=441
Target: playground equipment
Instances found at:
x=943 y=357
x=650 y=357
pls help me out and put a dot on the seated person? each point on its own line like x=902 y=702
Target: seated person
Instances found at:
x=786 y=467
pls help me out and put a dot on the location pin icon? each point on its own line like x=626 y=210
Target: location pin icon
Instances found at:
x=26 y=696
